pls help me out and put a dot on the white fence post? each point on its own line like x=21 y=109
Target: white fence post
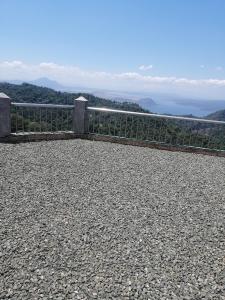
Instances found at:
x=5 y=118
x=80 y=115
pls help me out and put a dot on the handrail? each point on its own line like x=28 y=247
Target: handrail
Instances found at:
x=101 y=109
x=154 y=115
x=41 y=105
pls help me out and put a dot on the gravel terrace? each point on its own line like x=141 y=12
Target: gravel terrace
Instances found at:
x=94 y=220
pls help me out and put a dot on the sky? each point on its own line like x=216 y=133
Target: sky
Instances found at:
x=166 y=46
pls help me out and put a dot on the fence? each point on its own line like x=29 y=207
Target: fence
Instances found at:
x=29 y=117
x=155 y=128
x=135 y=126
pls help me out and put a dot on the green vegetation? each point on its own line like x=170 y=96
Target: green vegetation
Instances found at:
x=143 y=128
x=35 y=94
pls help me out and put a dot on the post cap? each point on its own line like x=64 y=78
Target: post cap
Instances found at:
x=4 y=96
x=81 y=98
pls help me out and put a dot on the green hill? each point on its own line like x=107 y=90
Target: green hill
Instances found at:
x=34 y=94
x=218 y=115
x=143 y=128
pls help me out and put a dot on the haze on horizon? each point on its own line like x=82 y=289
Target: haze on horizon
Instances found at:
x=148 y=46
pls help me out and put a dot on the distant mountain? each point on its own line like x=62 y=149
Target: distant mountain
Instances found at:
x=218 y=115
x=166 y=103
x=162 y=103
x=51 y=84
x=27 y=92
x=46 y=82
x=147 y=103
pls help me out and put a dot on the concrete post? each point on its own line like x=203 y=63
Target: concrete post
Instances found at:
x=80 y=115
x=5 y=119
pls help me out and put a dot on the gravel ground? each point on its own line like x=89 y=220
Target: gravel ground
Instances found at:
x=93 y=220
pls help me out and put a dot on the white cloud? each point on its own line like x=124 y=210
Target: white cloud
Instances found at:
x=13 y=64
x=132 y=81
x=145 y=68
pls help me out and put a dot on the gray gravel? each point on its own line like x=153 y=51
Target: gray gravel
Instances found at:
x=93 y=220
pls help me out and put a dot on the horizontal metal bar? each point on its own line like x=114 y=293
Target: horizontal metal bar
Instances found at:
x=106 y=110
x=39 y=105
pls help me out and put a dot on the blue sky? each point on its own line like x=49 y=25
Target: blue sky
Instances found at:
x=117 y=43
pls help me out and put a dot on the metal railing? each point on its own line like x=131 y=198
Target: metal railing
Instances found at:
x=33 y=117
x=160 y=129
x=138 y=126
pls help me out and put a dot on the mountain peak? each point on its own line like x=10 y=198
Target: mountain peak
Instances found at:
x=49 y=83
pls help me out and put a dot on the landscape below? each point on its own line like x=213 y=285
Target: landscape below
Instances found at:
x=185 y=133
